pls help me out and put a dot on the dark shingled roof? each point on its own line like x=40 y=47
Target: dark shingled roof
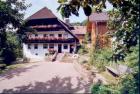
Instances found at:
x=46 y=17
x=99 y=17
x=42 y=13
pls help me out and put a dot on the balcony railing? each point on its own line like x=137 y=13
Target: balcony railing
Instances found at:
x=50 y=40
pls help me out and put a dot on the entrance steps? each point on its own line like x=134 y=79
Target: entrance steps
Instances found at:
x=60 y=56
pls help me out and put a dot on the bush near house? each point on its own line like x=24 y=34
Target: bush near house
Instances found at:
x=12 y=49
x=100 y=58
x=83 y=50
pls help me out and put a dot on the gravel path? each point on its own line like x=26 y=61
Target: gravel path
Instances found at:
x=44 y=77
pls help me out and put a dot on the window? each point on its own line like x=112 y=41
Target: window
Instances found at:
x=59 y=35
x=65 y=46
x=36 y=35
x=45 y=46
x=36 y=54
x=29 y=46
x=66 y=35
x=51 y=46
x=51 y=35
x=45 y=35
x=36 y=46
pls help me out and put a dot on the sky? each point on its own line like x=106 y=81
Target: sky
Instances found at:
x=53 y=5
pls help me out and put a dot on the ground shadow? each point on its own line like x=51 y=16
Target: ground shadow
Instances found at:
x=55 y=85
x=15 y=72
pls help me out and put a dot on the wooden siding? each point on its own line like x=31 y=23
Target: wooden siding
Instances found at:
x=98 y=30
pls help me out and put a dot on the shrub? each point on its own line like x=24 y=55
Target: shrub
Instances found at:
x=100 y=58
x=103 y=89
x=82 y=50
x=8 y=56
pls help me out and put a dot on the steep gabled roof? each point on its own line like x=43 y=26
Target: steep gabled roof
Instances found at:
x=42 y=13
x=45 y=16
x=67 y=29
x=99 y=17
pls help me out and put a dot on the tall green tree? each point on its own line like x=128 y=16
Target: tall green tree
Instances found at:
x=11 y=17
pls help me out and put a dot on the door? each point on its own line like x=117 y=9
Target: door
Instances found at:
x=59 y=48
x=71 y=48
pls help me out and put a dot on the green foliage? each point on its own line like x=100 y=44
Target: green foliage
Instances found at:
x=103 y=89
x=11 y=12
x=100 y=58
x=11 y=17
x=12 y=48
x=132 y=58
x=87 y=38
x=72 y=7
x=129 y=83
x=8 y=56
x=83 y=50
x=124 y=19
x=14 y=43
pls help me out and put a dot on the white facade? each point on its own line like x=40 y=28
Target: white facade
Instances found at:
x=52 y=35
x=56 y=33
x=30 y=51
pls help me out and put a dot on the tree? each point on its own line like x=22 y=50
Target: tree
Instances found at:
x=11 y=17
x=124 y=18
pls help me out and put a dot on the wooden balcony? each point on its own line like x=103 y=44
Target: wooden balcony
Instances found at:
x=50 y=40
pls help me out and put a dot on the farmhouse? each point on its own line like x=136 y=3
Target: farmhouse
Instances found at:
x=52 y=35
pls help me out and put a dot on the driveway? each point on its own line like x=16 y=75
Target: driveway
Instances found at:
x=44 y=77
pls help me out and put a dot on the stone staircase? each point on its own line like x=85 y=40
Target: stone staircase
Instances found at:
x=59 y=57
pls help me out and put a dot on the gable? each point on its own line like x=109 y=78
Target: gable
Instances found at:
x=44 y=20
x=41 y=14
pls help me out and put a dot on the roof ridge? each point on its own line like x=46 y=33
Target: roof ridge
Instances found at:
x=67 y=28
x=36 y=14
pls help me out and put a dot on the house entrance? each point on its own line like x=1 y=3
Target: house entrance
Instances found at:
x=59 y=48
x=71 y=48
